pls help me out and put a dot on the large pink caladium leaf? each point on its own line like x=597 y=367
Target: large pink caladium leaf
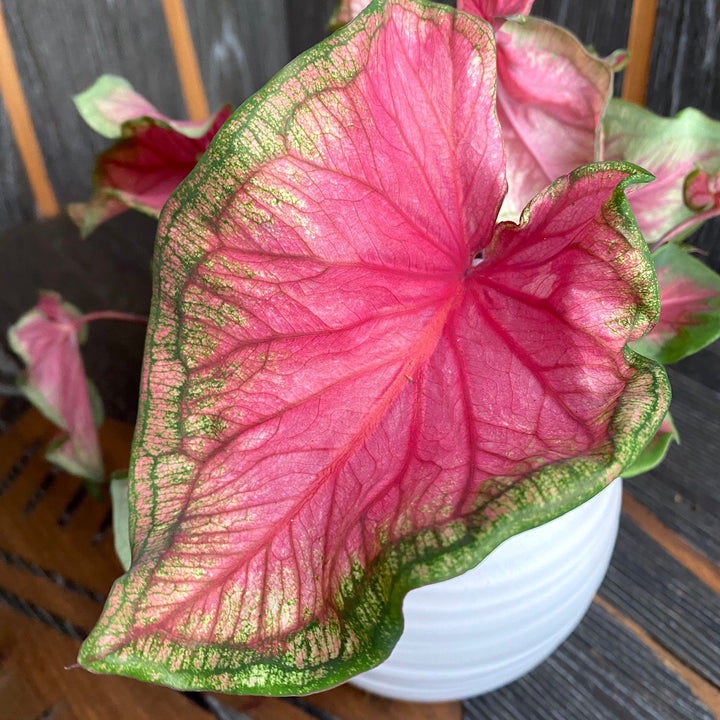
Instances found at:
x=46 y=338
x=355 y=383
x=551 y=96
x=151 y=158
x=689 y=306
x=670 y=148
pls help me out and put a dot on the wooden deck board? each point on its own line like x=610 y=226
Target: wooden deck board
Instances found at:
x=670 y=602
x=684 y=492
x=602 y=672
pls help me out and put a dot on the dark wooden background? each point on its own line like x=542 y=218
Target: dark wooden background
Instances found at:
x=61 y=46
x=650 y=646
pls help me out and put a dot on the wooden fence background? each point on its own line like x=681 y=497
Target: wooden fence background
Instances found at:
x=51 y=49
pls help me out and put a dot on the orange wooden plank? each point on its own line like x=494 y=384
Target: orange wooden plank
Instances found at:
x=701 y=688
x=700 y=565
x=186 y=59
x=351 y=703
x=34 y=678
x=23 y=128
x=640 y=42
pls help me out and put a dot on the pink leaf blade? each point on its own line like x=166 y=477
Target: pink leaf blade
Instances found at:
x=111 y=101
x=669 y=148
x=551 y=96
x=491 y=10
x=142 y=170
x=689 y=306
x=313 y=440
x=46 y=338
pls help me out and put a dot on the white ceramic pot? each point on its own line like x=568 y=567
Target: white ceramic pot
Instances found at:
x=488 y=627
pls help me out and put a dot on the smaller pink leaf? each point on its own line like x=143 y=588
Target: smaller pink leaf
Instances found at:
x=551 y=96
x=491 y=9
x=671 y=149
x=702 y=191
x=46 y=338
x=142 y=170
x=111 y=101
x=689 y=306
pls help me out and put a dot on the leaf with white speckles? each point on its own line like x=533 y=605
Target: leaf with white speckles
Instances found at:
x=355 y=382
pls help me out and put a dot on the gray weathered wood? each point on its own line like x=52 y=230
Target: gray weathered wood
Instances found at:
x=684 y=72
x=16 y=200
x=666 y=599
x=685 y=57
x=602 y=672
x=307 y=22
x=603 y=25
x=61 y=48
x=240 y=45
x=684 y=492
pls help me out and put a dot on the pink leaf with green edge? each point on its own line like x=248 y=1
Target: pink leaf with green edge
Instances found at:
x=111 y=101
x=46 y=338
x=143 y=169
x=689 y=306
x=491 y=10
x=339 y=403
x=702 y=191
x=551 y=96
x=670 y=148
x=656 y=449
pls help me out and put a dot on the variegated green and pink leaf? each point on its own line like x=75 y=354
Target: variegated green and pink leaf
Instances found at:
x=47 y=340
x=151 y=157
x=551 y=96
x=671 y=149
x=689 y=306
x=355 y=383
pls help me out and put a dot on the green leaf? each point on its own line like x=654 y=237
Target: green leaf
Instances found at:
x=119 y=488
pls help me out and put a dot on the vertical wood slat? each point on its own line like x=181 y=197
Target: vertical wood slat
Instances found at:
x=640 y=44
x=186 y=59
x=23 y=128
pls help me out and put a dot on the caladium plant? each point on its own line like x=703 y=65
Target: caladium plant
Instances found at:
x=47 y=338
x=151 y=157
x=356 y=381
